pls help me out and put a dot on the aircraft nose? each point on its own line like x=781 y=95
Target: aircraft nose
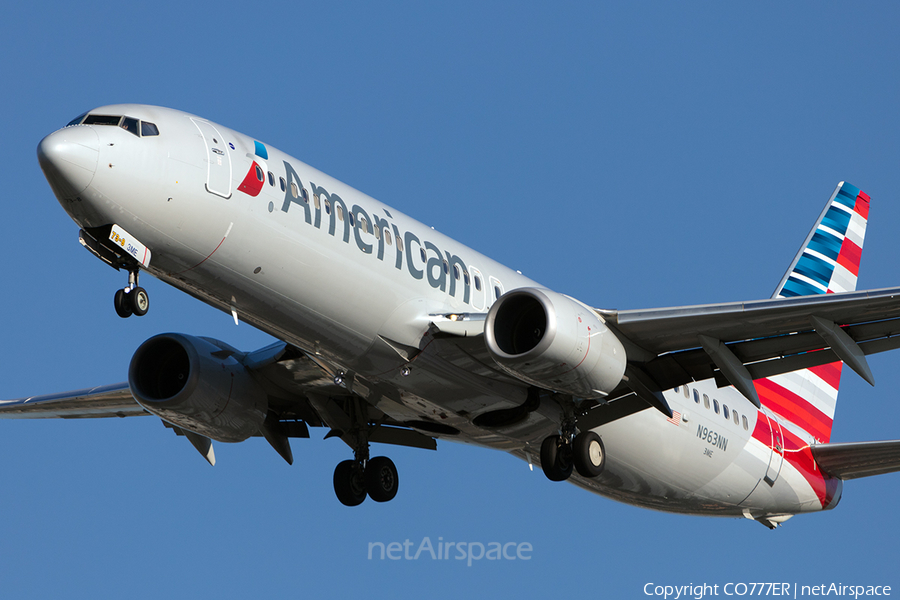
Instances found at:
x=69 y=158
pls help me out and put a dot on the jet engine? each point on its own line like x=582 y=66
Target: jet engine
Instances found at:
x=199 y=385
x=554 y=342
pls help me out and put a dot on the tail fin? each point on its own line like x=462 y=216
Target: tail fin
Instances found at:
x=828 y=262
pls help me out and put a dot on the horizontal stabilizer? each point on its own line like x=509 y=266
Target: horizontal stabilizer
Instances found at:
x=858 y=459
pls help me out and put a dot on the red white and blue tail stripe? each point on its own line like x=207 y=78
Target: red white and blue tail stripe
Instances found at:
x=828 y=262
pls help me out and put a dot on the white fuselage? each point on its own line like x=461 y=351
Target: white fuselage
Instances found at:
x=300 y=271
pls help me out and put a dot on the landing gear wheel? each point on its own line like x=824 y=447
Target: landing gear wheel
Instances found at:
x=139 y=300
x=123 y=304
x=381 y=479
x=588 y=454
x=349 y=483
x=556 y=458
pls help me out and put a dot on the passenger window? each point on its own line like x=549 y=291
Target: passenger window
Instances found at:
x=261 y=177
x=387 y=237
x=377 y=233
x=744 y=419
x=496 y=292
x=735 y=415
x=316 y=202
x=305 y=195
x=706 y=401
x=687 y=394
x=478 y=283
x=465 y=277
x=281 y=181
x=423 y=255
x=130 y=125
x=339 y=212
x=271 y=178
x=328 y=209
x=675 y=389
x=696 y=396
x=352 y=220
x=148 y=129
x=447 y=269
x=725 y=411
x=715 y=406
x=364 y=225
x=294 y=191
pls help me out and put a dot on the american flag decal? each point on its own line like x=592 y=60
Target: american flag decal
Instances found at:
x=675 y=419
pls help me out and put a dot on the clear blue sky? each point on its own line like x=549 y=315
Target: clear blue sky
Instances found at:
x=641 y=155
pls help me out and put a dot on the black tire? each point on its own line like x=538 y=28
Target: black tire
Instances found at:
x=139 y=300
x=556 y=458
x=122 y=304
x=381 y=479
x=588 y=454
x=349 y=486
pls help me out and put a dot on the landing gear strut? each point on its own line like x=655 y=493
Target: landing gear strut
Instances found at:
x=133 y=300
x=363 y=476
x=561 y=453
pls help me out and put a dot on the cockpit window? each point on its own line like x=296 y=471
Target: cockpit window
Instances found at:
x=130 y=125
x=102 y=120
x=148 y=129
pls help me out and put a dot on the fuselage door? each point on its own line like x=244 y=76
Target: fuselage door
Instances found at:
x=776 y=458
x=218 y=173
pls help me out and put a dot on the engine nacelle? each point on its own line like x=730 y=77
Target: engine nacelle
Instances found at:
x=195 y=384
x=554 y=342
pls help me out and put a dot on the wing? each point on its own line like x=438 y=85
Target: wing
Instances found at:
x=300 y=389
x=860 y=459
x=739 y=342
x=107 y=401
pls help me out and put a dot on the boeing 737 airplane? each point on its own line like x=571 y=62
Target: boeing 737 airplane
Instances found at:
x=391 y=332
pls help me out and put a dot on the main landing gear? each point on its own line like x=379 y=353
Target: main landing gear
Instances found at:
x=363 y=476
x=583 y=452
x=133 y=300
x=354 y=480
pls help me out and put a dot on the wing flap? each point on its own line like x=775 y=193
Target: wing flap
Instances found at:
x=858 y=459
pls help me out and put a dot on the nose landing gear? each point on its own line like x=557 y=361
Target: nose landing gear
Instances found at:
x=133 y=300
